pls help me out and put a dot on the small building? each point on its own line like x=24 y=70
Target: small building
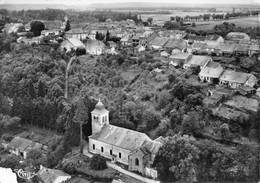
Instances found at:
x=241 y=49
x=47 y=175
x=95 y=47
x=125 y=40
x=235 y=79
x=77 y=33
x=135 y=39
x=214 y=39
x=172 y=44
x=147 y=36
x=71 y=43
x=197 y=60
x=246 y=90
x=165 y=54
x=139 y=48
x=211 y=72
x=158 y=42
x=21 y=146
x=53 y=32
x=198 y=46
x=253 y=49
x=179 y=59
x=226 y=49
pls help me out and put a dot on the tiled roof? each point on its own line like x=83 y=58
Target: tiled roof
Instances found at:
x=241 y=47
x=213 y=72
x=76 y=42
x=24 y=144
x=181 y=55
x=198 y=60
x=151 y=146
x=121 y=137
x=212 y=37
x=233 y=76
x=50 y=175
x=175 y=43
x=158 y=41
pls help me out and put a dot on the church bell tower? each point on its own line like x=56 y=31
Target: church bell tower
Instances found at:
x=99 y=117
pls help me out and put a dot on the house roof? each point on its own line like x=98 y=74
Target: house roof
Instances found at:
x=50 y=175
x=197 y=38
x=226 y=47
x=24 y=144
x=212 y=37
x=121 y=137
x=137 y=36
x=76 y=31
x=240 y=47
x=235 y=77
x=199 y=45
x=159 y=41
x=111 y=43
x=94 y=43
x=211 y=71
x=181 y=55
x=75 y=42
x=198 y=60
x=146 y=34
x=175 y=43
x=254 y=47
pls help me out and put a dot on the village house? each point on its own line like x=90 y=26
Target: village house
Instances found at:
x=194 y=39
x=95 y=47
x=135 y=39
x=173 y=34
x=146 y=37
x=71 y=43
x=120 y=144
x=198 y=47
x=179 y=59
x=241 y=50
x=47 y=175
x=178 y=45
x=125 y=41
x=211 y=72
x=53 y=32
x=12 y=28
x=235 y=79
x=226 y=49
x=253 y=49
x=21 y=146
x=158 y=42
x=77 y=33
x=197 y=60
x=214 y=39
x=139 y=48
x=164 y=54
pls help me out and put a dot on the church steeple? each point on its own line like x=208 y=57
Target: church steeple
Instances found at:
x=99 y=117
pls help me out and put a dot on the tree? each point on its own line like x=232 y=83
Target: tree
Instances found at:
x=150 y=119
x=98 y=162
x=67 y=28
x=150 y=20
x=107 y=36
x=41 y=91
x=193 y=24
x=176 y=159
x=164 y=99
x=81 y=117
x=37 y=27
x=171 y=25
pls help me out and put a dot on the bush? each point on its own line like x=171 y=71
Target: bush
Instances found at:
x=98 y=162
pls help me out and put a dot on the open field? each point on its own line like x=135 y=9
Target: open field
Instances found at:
x=166 y=17
x=241 y=22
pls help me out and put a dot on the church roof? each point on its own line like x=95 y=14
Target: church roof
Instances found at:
x=99 y=108
x=121 y=137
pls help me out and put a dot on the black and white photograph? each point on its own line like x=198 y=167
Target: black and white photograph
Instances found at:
x=129 y=91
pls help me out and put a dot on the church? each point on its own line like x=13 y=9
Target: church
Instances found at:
x=133 y=149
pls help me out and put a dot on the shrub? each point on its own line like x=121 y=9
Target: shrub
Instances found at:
x=98 y=162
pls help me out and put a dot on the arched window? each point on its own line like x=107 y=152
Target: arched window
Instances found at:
x=136 y=162
x=102 y=149
x=105 y=118
x=111 y=152
x=94 y=147
x=120 y=155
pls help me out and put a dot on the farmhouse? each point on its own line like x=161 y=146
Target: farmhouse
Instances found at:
x=179 y=59
x=47 y=175
x=95 y=47
x=172 y=44
x=71 y=43
x=197 y=60
x=158 y=42
x=131 y=148
x=211 y=72
x=235 y=79
x=21 y=146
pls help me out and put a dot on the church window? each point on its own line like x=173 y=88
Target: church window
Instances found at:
x=105 y=118
x=120 y=155
x=102 y=149
x=136 y=161
x=111 y=152
x=94 y=147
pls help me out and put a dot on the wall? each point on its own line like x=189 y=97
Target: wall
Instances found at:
x=107 y=147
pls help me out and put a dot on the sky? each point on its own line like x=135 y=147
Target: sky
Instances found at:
x=77 y=2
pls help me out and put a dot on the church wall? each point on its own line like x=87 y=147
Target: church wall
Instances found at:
x=106 y=151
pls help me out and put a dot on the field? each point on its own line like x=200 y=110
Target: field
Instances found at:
x=166 y=17
x=242 y=22
x=242 y=102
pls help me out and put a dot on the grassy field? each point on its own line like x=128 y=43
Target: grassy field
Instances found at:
x=175 y=13
x=242 y=22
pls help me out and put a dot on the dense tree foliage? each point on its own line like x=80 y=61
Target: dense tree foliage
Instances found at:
x=98 y=162
x=37 y=27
